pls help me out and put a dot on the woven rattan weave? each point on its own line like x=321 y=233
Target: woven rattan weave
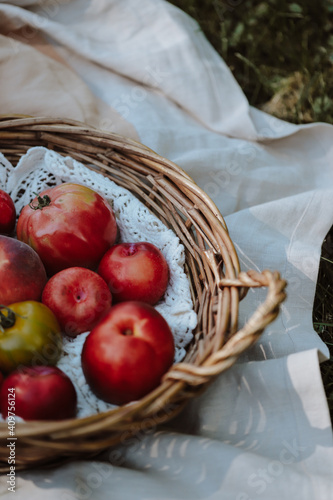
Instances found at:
x=217 y=286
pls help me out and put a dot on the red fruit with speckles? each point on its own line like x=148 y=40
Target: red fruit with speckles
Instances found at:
x=125 y=356
x=135 y=271
x=68 y=225
x=39 y=393
x=79 y=299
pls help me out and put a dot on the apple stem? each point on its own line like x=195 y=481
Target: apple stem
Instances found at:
x=41 y=202
x=128 y=331
x=6 y=321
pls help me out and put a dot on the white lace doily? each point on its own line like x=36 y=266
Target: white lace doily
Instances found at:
x=41 y=168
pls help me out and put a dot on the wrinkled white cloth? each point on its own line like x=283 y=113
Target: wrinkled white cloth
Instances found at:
x=262 y=430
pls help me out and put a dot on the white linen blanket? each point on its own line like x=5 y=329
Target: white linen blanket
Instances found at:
x=144 y=69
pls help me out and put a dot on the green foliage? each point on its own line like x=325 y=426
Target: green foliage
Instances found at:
x=323 y=313
x=281 y=54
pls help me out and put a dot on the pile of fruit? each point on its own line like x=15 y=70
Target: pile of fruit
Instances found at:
x=62 y=273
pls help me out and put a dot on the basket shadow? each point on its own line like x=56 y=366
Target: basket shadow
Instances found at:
x=240 y=420
x=257 y=407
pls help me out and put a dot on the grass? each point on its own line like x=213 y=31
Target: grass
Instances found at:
x=281 y=54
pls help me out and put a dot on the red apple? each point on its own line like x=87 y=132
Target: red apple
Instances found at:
x=22 y=273
x=7 y=213
x=78 y=297
x=135 y=271
x=125 y=356
x=41 y=393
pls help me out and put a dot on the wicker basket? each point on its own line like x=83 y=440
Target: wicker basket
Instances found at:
x=217 y=287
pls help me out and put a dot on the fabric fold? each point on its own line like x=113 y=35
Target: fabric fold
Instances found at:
x=262 y=429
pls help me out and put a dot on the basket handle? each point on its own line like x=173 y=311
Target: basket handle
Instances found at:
x=225 y=357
